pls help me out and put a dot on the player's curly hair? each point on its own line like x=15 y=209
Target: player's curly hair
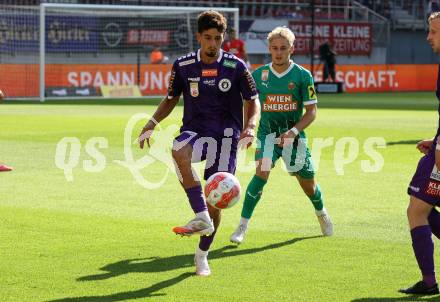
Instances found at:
x=211 y=19
x=283 y=32
x=434 y=15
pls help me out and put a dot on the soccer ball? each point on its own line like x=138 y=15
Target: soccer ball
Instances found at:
x=222 y=190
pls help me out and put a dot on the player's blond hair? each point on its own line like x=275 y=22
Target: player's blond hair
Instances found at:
x=435 y=15
x=282 y=32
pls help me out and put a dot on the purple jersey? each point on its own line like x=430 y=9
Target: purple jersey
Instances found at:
x=212 y=93
x=425 y=183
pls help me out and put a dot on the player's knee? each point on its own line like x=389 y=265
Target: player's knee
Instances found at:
x=417 y=209
x=263 y=168
x=262 y=174
x=309 y=190
x=181 y=155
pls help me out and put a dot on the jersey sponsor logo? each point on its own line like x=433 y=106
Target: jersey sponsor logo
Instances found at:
x=224 y=85
x=279 y=103
x=187 y=62
x=209 y=82
x=435 y=174
x=433 y=188
x=264 y=75
x=209 y=72
x=312 y=92
x=230 y=64
x=230 y=56
x=194 y=79
x=291 y=85
x=194 y=89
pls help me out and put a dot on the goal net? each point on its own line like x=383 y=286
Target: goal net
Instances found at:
x=74 y=50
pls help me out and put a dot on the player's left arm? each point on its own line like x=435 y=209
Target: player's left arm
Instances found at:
x=252 y=113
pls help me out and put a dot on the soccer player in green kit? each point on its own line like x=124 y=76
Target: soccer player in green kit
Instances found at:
x=285 y=90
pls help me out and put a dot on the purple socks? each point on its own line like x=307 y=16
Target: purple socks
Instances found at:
x=434 y=222
x=424 y=251
x=195 y=196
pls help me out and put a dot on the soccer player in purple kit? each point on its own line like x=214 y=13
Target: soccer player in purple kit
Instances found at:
x=215 y=86
x=424 y=191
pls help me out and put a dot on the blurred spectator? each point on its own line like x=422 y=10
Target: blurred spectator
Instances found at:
x=328 y=58
x=387 y=9
x=236 y=46
x=433 y=6
x=157 y=56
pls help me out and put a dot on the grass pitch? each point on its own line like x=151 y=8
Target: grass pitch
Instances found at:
x=104 y=237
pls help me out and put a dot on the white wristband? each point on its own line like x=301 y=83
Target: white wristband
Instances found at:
x=437 y=146
x=295 y=131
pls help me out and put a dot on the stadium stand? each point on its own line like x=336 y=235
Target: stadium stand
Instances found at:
x=402 y=13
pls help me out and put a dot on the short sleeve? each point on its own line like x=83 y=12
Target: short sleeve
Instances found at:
x=175 y=84
x=248 y=88
x=308 y=92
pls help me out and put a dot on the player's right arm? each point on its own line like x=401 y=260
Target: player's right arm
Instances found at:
x=165 y=107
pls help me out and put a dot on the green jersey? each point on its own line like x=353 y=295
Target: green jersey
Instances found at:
x=283 y=96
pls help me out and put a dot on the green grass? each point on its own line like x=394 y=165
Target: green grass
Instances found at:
x=389 y=100
x=103 y=237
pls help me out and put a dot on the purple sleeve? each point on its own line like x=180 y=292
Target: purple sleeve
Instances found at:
x=248 y=88
x=175 y=84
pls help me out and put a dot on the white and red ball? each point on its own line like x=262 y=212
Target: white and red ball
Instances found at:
x=222 y=190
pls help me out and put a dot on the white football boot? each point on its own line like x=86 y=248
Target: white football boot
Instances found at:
x=201 y=262
x=238 y=236
x=325 y=222
x=195 y=226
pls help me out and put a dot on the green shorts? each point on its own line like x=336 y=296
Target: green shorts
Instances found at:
x=297 y=158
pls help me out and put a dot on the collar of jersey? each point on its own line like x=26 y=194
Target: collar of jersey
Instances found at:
x=220 y=55
x=280 y=75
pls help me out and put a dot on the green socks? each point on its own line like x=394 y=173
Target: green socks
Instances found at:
x=253 y=195
x=255 y=189
x=316 y=199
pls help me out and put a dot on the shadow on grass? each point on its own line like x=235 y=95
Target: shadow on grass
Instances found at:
x=402 y=299
x=407 y=142
x=148 y=292
x=157 y=264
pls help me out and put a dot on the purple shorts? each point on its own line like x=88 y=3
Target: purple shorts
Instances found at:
x=220 y=153
x=425 y=183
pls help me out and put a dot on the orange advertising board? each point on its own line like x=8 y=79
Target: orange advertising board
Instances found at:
x=21 y=80
x=384 y=78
